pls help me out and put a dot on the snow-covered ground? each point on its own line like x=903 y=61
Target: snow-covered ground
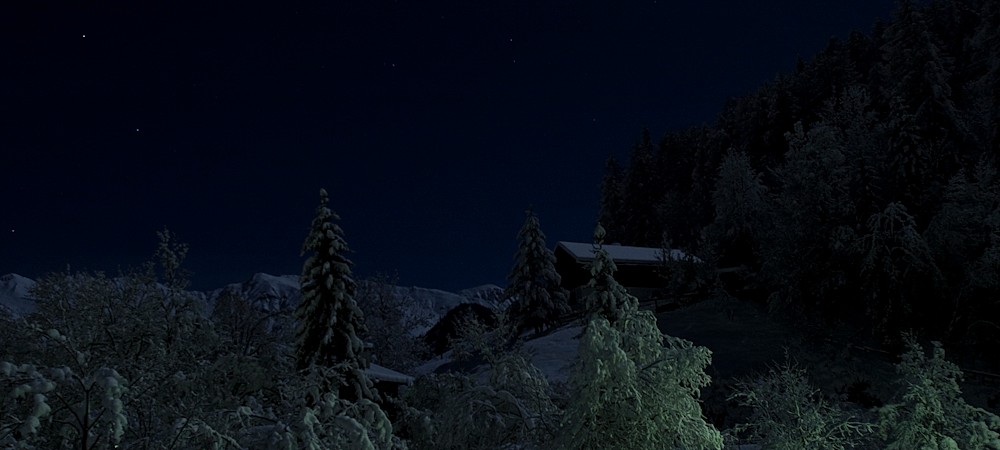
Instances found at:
x=553 y=354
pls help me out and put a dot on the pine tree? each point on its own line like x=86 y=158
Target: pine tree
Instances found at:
x=533 y=281
x=329 y=319
x=926 y=127
x=641 y=197
x=612 y=201
x=607 y=298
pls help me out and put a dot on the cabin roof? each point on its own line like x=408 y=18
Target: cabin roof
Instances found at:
x=584 y=252
x=377 y=372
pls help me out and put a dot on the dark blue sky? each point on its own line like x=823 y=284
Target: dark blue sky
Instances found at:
x=433 y=125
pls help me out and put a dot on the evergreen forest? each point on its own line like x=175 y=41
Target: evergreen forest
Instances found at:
x=861 y=188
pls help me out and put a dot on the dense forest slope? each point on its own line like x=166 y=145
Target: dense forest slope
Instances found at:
x=862 y=186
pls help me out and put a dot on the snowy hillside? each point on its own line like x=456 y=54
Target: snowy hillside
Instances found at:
x=553 y=354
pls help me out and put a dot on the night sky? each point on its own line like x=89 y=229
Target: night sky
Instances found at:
x=433 y=124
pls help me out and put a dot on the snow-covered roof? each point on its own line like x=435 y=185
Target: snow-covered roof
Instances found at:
x=584 y=252
x=380 y=373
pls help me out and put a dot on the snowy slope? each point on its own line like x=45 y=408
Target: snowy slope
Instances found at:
x=14 y=294
x=553 y=354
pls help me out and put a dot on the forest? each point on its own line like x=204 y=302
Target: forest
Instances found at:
x=861 y=187
x=860 y=192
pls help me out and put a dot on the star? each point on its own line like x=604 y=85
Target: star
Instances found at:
x=85 y=35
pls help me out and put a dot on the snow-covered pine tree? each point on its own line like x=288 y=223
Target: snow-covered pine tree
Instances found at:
x=329 y=319
x=607 y=298
x=538 y=298
x=633 y=387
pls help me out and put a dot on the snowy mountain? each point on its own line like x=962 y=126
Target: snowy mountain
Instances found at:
x=272 y=293
x=14 y=294
x=268 y=293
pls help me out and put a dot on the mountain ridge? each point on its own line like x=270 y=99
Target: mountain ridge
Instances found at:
x=273 y=293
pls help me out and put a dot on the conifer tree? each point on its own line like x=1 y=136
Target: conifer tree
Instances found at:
x=642 y=197
x=612 y=199
x=329 y=319
x=607 y=298
x=926 y=127
x=534 y=282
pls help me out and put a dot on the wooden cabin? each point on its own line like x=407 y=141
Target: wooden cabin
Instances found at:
x=638 y=267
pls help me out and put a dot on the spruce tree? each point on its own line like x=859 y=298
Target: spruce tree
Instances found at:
x=329 y=319
x=928 y=133
x=607 y=298
x=612 y=199
x=642 y=197
x=533 y=282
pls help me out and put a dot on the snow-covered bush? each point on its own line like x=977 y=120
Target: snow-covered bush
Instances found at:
x=633 y=387
x=787 y=413
x=138 y=354
x=24 y=403
x=57 y=407
x=932 y=414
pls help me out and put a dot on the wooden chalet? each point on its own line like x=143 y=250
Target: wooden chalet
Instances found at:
x=638 y=267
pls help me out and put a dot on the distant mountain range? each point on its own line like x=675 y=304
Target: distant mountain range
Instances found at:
x=275 y=292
